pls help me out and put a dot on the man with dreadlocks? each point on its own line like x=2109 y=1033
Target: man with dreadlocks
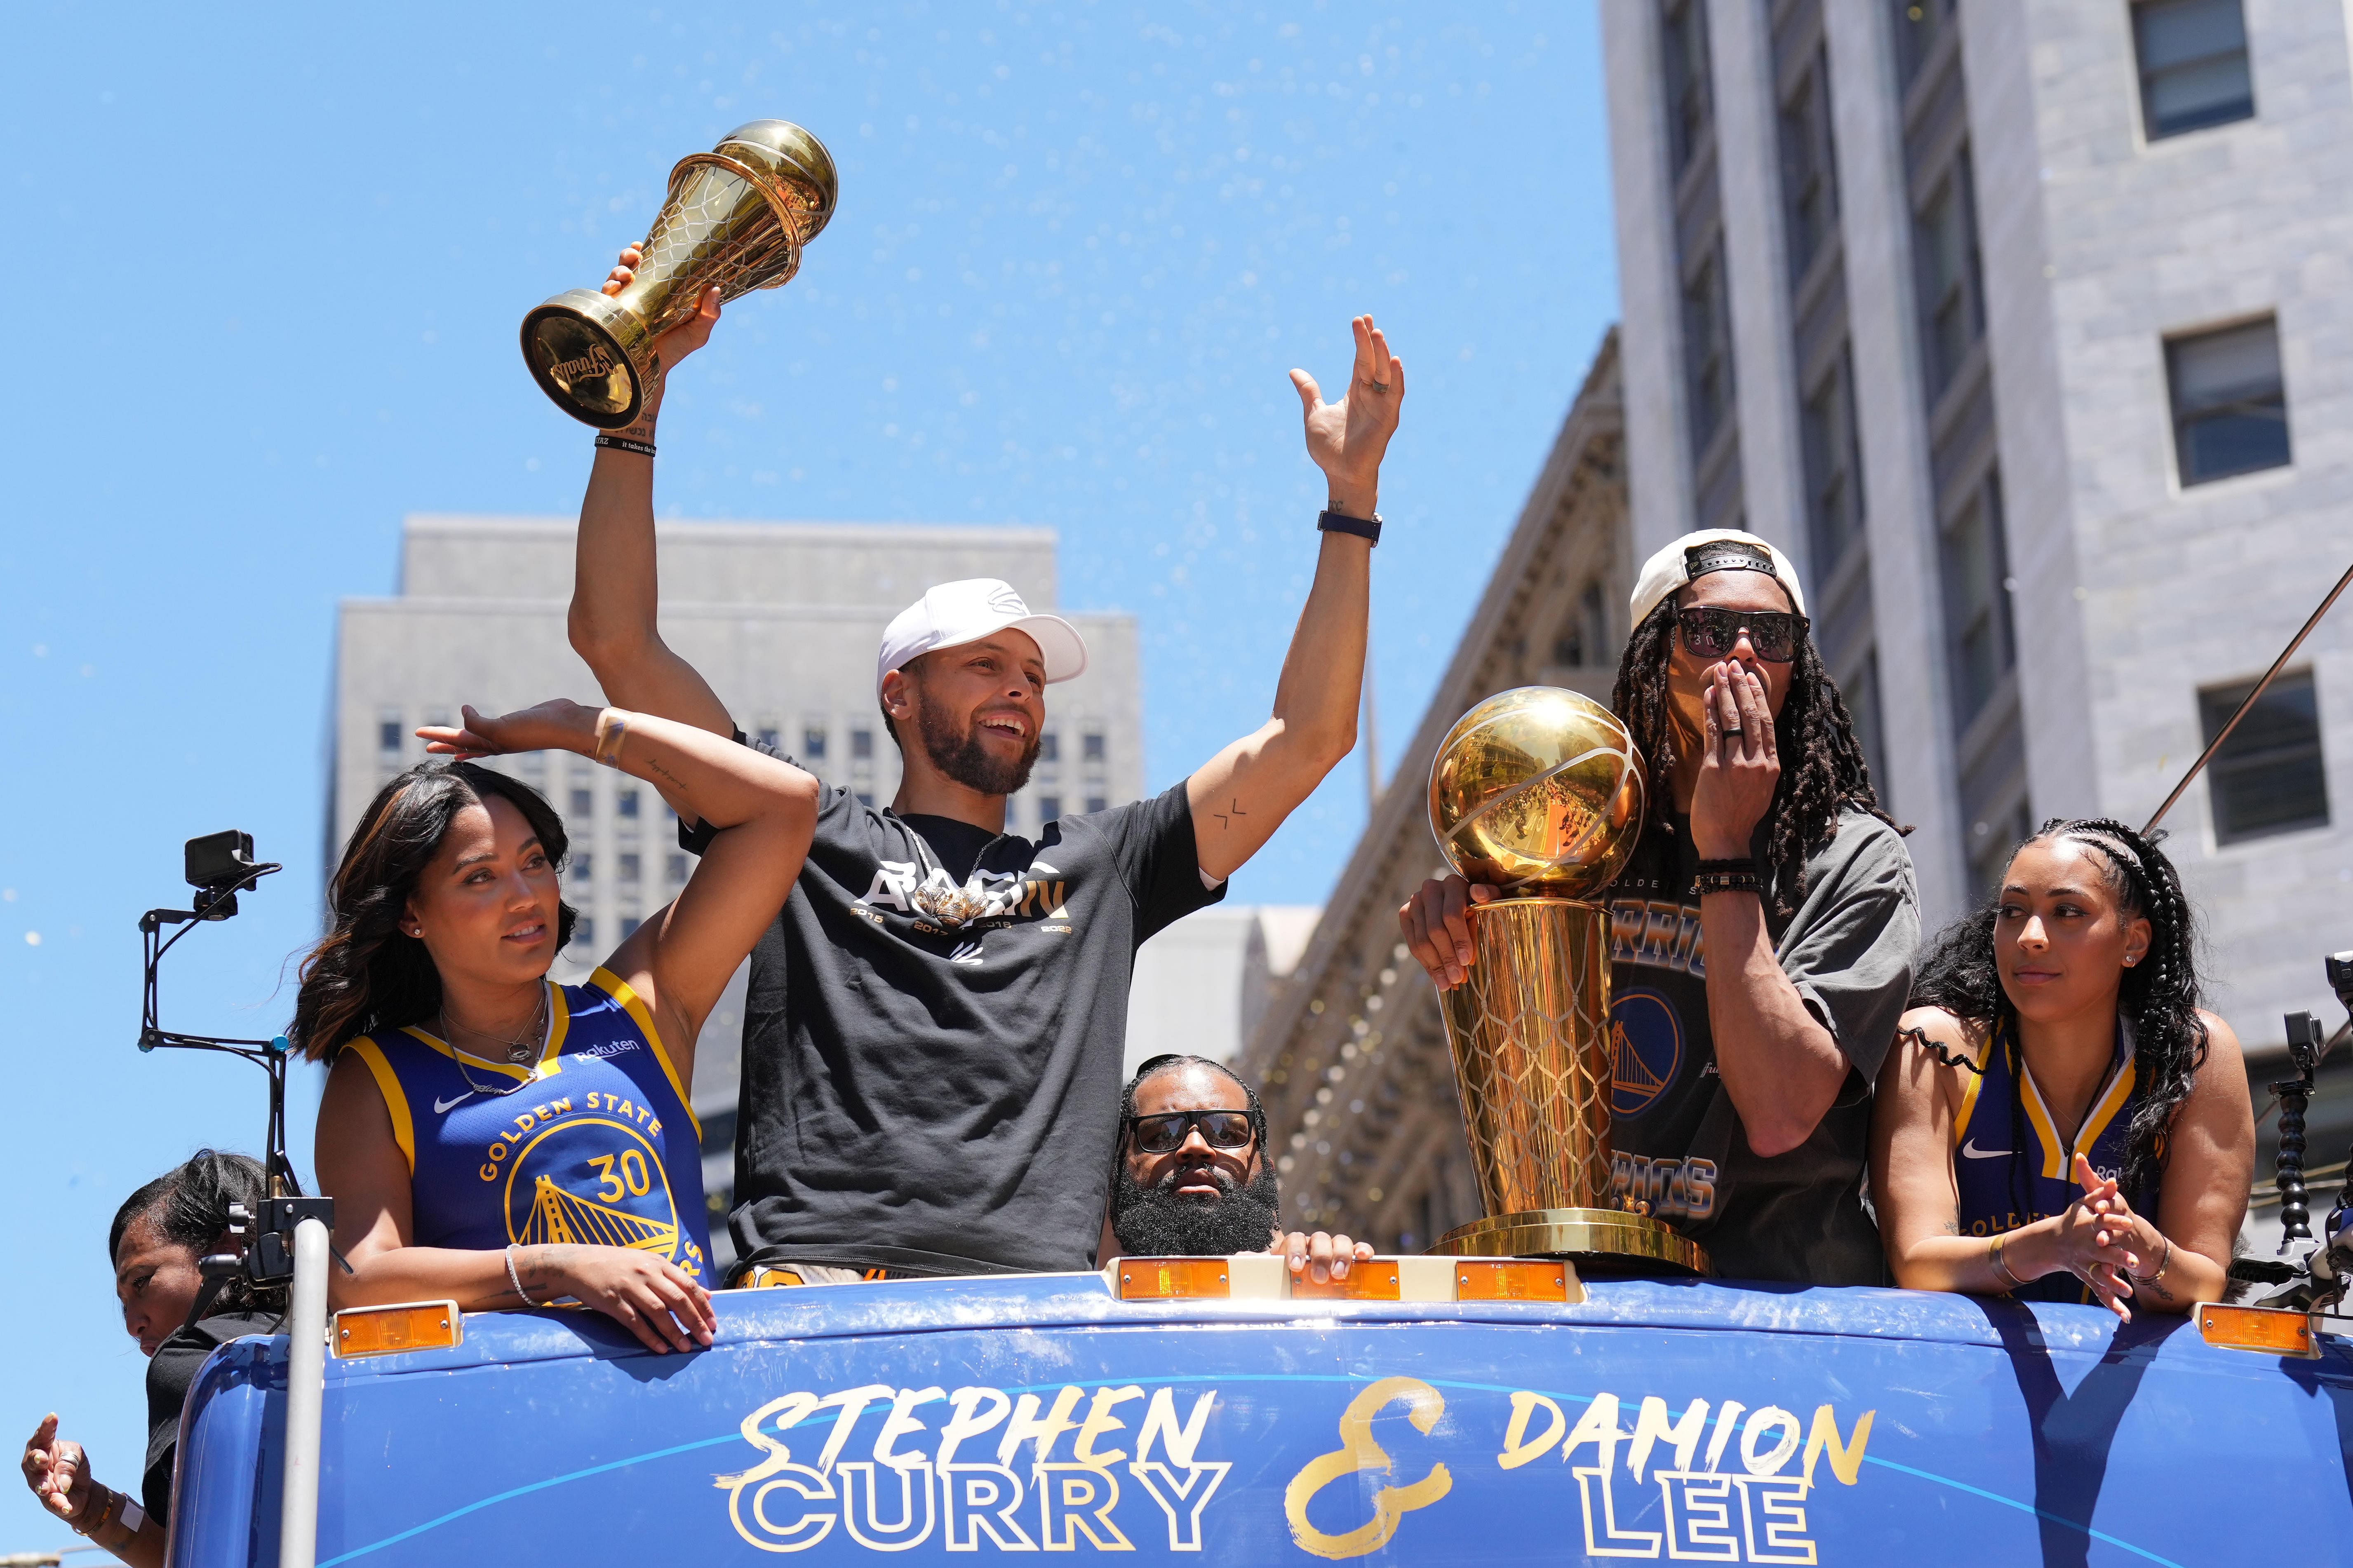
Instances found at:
x=1761 y=935
x=2061 y=1120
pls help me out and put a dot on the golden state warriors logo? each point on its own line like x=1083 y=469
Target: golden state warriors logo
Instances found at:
x=590 y=1177
x=1646 y=1047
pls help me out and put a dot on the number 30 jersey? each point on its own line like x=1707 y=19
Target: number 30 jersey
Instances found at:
x=593 y=1144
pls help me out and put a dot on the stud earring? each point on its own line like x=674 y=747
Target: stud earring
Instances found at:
x=2130 y=961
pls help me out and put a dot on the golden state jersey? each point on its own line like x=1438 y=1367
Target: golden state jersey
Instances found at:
x=2011 y=1167
x=594 y=1144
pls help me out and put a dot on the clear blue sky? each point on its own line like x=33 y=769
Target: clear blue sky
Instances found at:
x=268 y=270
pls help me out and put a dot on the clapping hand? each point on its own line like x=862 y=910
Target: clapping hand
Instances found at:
x=555 y=725
x=1347 y=438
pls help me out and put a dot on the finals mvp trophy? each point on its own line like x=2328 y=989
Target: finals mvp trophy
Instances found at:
x=736 y=217
x=1538 y=793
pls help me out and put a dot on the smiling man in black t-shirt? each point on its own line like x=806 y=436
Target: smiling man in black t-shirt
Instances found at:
x=935 y=1023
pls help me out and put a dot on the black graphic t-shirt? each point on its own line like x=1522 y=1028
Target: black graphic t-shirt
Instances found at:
x=943 y=1098
x=1848 y=950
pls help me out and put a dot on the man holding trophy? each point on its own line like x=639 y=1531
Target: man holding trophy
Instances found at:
x=932 y=1043
x=1760 y=939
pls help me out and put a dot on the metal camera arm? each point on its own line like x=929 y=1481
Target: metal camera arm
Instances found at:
x=2318 y=1281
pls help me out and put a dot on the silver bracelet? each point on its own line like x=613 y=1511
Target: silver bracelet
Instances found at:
x=516 y=1281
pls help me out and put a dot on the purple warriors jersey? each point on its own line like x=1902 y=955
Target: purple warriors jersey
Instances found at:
x=2011 y=1167
x=595 y=1144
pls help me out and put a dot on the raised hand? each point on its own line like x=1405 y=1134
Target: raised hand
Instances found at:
x=1741 y=765
x=1321 y=1257
x=57 y=1472
x=555 y=725
x=680 y=341
x=1436 y=924
x=1347 y=439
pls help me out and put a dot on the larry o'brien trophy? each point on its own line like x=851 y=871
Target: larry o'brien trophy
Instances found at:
x=737 y=217
x=1538 y=793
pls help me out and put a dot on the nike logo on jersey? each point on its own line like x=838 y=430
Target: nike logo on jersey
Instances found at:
x=966 y=953
x=1972 y=1149
x=442 y=1106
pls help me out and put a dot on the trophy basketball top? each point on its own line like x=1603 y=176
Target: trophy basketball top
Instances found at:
x=735 y=218
x=1537 y=790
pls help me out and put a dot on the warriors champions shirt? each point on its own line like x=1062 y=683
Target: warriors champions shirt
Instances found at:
x=933 y=1033
x=1681 y=1148
x=594 y=1144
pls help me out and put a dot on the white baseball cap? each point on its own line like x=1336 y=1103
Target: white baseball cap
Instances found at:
x=955 y=613
x=1689 y=558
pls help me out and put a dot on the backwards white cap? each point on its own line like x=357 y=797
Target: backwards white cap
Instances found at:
x=1695 y=555
x=955 y=613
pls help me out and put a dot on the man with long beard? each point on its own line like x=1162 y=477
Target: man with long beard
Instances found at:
x=1193 y=1179
x=936 y=1022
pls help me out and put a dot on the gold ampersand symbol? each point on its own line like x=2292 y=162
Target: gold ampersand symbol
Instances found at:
x=1357 y=1454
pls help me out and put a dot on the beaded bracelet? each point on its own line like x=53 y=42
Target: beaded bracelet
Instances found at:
x=1747 y=881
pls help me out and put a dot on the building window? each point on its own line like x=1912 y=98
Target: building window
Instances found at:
x=1584 y=640
x=2267 y=778
x=861 y=745
x=584 y=932
x=674 y=869
x=1097 y=803
x=1685 y=40
x=1991 y=844
x=584 y=803
x=630 y=868
x=2230 y=405
x=866 y=798
x=812 y=743
x=388 y=735
x=1946 y=250
x=1862 y=697
x=769 y=736
x=1050 y=806
x=2193 y=65
x=630 y=924
x=1090 y=747
x=1976 y=602
x=1808 y=174
x=584 y=867
x=1833 y=473
x=626 y=802
x=1707 y=349
x=1049 y=746
x=1917 y=24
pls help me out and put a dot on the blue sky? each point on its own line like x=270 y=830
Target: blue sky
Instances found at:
x=270 y=266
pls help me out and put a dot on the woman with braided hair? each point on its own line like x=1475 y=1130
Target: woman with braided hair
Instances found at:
x=2061 y=1121
x=1761 y=934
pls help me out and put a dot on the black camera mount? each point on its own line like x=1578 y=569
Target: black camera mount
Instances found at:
x=219 y=867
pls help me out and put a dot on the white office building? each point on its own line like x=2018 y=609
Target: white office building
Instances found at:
x=2026 y=326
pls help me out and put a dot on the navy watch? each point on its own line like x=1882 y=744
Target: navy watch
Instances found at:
x=1368 y=528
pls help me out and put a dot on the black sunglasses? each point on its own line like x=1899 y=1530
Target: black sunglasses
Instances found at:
x=1713 y=634
x=1165 y=1133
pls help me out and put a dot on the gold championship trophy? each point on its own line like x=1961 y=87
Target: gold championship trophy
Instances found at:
x=736 y=217
x=1538 y=792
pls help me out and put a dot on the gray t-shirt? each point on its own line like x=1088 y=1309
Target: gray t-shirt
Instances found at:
x=1679 y=1144
x=935 y=1097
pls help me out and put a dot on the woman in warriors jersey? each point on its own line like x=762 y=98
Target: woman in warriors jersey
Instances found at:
x=2059 y=1119
x=491 y=1136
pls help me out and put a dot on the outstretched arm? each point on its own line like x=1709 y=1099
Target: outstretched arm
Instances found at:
x=1241 y=796
x=614 y=590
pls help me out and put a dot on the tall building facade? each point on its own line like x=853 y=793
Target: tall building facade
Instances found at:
x=783 y=619
x=2022 y=326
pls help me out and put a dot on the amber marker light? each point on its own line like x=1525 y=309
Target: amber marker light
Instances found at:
x=1374 y=1280
x=1173 y=1278
x=2267 y=1330
x=388 y=1330
x=1529 y=1280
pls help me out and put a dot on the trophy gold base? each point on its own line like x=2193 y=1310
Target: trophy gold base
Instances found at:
x=1601 y=1241
x=592 y=354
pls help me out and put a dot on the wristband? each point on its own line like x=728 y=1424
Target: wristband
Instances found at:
x=2000 y=1268
x=516 y=1281
x=1330 y=521
x=2163 y=1264
x=1747 y=881
x=624 y=444
x=612 y=728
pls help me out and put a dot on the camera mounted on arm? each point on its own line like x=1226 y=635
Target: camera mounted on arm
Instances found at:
x=2317 y=1281
x=219 y=866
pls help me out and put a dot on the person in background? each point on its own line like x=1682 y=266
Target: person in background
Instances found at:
x=1761 y=935
x=1192 y=1178
x=492 y=1137
x=2061 y=1120
x=160 y=1234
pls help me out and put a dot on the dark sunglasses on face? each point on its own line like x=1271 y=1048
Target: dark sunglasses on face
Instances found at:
x=1713 y=634
x=1163 y=1133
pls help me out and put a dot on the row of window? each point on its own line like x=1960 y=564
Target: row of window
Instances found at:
x=815 y=742
x=628 y=866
